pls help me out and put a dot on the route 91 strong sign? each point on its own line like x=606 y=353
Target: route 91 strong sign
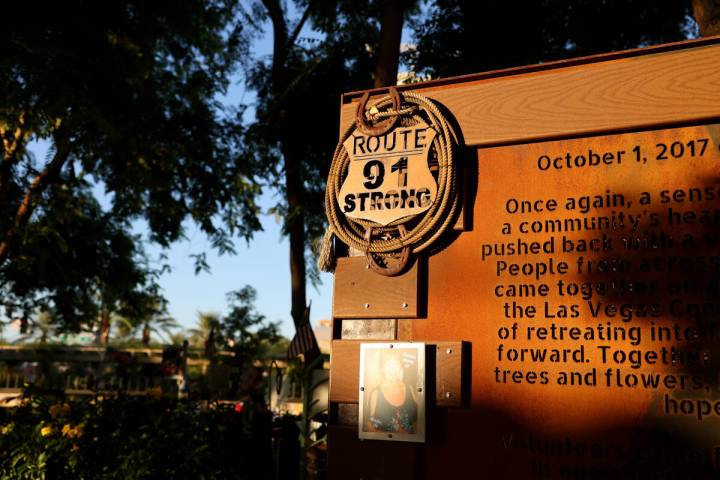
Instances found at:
x=388 y=175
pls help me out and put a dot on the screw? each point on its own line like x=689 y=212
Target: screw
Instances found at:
x=391 y=345
x=448 y=394
x=367 y=305
x=362 y=389
x=448 y=351
x=404 y=305
x=419 y=389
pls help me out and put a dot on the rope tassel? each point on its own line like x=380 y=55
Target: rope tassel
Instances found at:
x=326 y=259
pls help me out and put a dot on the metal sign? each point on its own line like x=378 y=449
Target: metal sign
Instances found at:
x=388 y=176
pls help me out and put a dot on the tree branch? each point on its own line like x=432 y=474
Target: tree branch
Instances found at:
x=279 y=40
x=9 y=154
x=30 y=200
x=298 y=28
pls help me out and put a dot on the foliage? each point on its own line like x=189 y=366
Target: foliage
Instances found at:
x=464 y=36
x=74 y=261
x=125 y=94
x=299 y=117
x=205 y=323
x=244 y=330
x=132 y=438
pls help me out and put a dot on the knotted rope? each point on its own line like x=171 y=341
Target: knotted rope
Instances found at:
x=431 y=224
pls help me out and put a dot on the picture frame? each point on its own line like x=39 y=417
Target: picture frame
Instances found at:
x=392 y=391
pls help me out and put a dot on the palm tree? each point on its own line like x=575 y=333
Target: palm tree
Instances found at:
x=162 y=326
x=205 y=325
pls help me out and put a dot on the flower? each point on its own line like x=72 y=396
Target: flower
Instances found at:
x=239 y=407
x=73 y=432
x=46 y=431
x=5 y=429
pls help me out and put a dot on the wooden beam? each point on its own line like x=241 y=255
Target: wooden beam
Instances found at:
x=602 y=94
x=361 y=293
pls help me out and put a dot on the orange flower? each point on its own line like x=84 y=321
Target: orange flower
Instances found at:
x=73 y=432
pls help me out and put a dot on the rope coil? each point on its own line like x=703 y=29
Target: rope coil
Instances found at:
x=426 y=228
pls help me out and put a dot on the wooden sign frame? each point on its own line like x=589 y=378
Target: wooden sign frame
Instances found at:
x=631 y=92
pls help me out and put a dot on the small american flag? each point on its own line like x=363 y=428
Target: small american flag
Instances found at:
x=303 y=341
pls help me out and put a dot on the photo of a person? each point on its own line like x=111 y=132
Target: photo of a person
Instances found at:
x=392 y=393
x=393 y=407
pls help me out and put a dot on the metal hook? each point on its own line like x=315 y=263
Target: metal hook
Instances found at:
x=393 y=270
x=383 y=126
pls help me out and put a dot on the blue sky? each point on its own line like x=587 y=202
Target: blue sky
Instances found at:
x=263 y=263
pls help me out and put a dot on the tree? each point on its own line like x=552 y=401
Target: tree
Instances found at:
x=161 y=326
x=244 y=330
x=464 y=36
x=78 y=263
x=125 y=93
x=392 y=18
x=298 y=89
x=206 y=324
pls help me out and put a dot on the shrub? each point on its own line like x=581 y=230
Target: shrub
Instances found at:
x=133 y=438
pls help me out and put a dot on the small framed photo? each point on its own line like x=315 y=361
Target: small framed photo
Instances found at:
x=392 y=391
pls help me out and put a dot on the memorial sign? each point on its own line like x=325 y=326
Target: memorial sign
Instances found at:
x=382 y=197
x=587 y=282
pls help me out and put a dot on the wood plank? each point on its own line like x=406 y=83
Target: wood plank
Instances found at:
x=370 y=459
x=450 y=372
x=653 y=90
x=361 y=293
x=450 y=389
x=345 y=371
